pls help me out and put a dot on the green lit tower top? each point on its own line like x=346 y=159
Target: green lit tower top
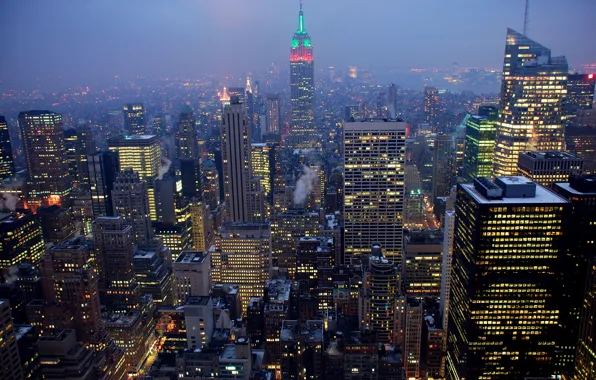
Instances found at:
x=302 y=86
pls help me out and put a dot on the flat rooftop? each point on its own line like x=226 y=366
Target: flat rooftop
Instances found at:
x=543 y=195
x=191 y=257
x=308 y=330
x=567 y=186
x=556 y=155
x=198 y=300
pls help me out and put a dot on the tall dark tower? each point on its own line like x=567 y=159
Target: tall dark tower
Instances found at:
x=6 y=160
x=302 y=88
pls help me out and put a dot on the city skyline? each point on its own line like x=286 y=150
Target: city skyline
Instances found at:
x=181 y=35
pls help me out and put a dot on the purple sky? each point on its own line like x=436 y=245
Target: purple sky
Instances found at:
x=89 y=40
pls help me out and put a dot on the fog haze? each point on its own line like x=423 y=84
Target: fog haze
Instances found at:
x=94 y=40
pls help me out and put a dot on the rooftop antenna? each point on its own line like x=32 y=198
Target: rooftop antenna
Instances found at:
x=300 y=4
x=526 y=15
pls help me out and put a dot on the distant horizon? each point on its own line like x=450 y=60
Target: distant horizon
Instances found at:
x=87 y=42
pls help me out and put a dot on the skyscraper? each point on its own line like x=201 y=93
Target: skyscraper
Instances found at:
x=134 y=118
x=10 y=362
x=21 y=240
x=506 y=299
x=273 y=114
x=237 y=166
x=580 y=94
x=114 y=252
x=374 y=186
x=142 y=154
x=242 y=256
x=532 y=112
x=443 y=166
x=379 y=298
x=186 y=135
x=580 y=280
x=103 y=168
x=6 y=159
x=69 y=278
x=302 y=88
x=582 y=141
x=431 y=107
x=130 y=201
x=42 y=136
x=481 y=131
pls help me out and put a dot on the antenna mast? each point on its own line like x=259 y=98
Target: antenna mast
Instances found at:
x=526 y=15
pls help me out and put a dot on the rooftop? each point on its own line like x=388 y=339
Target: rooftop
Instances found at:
x=191 y=257
x=543 y=195
x=550 y=156
x=198 y=300
x=306 y=330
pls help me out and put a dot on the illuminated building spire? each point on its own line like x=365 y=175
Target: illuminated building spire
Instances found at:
x=301 y=20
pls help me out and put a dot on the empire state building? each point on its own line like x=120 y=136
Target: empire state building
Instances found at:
x=302 y=86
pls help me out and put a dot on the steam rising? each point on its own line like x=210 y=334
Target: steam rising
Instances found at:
x=304 y=185
x=8 y=201
x=165 y=166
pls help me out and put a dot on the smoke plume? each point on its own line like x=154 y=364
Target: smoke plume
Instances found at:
x=165 y=166
x=304 y=185
x=8 y=201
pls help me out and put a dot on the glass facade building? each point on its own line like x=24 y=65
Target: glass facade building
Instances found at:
x=506 y=303
x=533 y=93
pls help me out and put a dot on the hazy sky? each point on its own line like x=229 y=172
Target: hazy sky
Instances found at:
x=83 y=40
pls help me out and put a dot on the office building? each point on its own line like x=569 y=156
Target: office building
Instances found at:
x=237 y=165
x=154 y=277
x=302 y=349
x=273 y=113
x=79 y=143
x=130 y=201
x=506 y=299
x=191 y=176
x=446 y=265
x=21 y=240
x=443 y=166
x=56 y=223
x=42 y=137
x=287 y=229
x=201 y=226
x=380 y=296
x=142 y=154
x=413 y=338
x=579 y=280
x=198 y=315
x=114 y=253
x=431 y=107
x=582 y=141
x=211 y=191
x=103 y=168
x=186 y=135
x=10 y=361
x=6 y=159
x=192 y=276
x=302 y=89
x=374 y=186
x=242 y=256
x=69 y=278
x=421 y=266
x=547 y=168
x=580 y=94
x=315 y=258
x=263 y=166
x=134 y=331
x=27 y=344
x=481 y=131
x=134 y=118
x=532 y=111
x=235 y=361
x=63 y=357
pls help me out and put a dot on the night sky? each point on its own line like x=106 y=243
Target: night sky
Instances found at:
x=93 y=40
